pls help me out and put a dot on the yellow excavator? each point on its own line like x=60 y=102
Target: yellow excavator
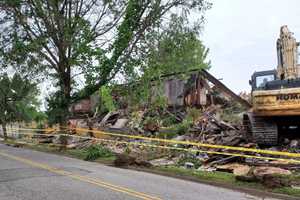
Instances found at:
x=275 y=95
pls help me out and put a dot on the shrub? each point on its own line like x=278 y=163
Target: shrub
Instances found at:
x=169 y=121
x=107 y=101
x=193 y=114
x=97 y=151
x=183 y=127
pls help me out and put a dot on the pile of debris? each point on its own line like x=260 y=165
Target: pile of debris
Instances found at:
x=208 y=126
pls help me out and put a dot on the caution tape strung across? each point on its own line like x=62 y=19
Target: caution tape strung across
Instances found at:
x=175 y=148
x=32 y=129
x=278 y=153
x=269 y=152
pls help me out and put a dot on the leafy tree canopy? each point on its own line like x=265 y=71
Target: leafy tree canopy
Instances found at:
x=97 y=39
x=17 y=98
x=176 y=47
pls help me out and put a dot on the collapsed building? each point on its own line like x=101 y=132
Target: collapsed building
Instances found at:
x=194 y=91
x=198 y=88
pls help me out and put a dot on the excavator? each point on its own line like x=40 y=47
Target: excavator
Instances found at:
x=275 y=96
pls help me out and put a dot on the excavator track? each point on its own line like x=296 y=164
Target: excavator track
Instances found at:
x=261 y=130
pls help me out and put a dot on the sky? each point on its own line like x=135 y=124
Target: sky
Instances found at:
x=242 y=34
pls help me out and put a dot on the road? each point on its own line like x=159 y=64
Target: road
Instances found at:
x=32 y=175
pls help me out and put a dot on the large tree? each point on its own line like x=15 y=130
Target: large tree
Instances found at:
x=177 y=48
x=94 y=38
x=174 y=48
x=17 y=97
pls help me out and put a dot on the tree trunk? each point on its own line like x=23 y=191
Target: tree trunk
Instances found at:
x=4 y=130
x=65 y=86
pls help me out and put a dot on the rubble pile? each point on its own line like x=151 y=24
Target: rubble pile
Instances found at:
x=206 y=126
x=209 y=129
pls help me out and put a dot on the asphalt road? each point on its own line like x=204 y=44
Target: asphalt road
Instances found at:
x=32 y=175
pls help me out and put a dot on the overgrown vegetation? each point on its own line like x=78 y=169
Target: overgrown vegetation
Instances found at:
x=18 y=100
x=97 y=151
x=107 y=103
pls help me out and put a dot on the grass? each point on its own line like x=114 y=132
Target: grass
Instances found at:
x=220 y=177
x=287 y=190
x=229 y=179
x=84 y=155
x=90 y=154
x=97 y=151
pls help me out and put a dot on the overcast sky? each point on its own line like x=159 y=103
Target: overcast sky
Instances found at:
x=242 y=34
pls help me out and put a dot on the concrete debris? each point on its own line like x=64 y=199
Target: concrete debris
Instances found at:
x=206 y=169
x=180 y=138
x=189 y=165
x=202 y=157
x=271 y=177
x=263 y=171
x=110 y=117
x=294 y=144
x=162 y=162
x=235 y=168
x=120 y=123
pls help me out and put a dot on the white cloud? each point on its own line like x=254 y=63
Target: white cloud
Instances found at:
x=242 y=36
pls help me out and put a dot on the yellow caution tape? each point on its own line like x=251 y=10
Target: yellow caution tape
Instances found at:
x=278 y=153
x=178 y=148
x=31 y=129
x=270 y=152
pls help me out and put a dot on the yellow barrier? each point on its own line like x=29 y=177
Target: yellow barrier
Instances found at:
x=178 y=148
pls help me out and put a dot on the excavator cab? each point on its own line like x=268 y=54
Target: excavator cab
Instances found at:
x=267 y=80
x=260 y=80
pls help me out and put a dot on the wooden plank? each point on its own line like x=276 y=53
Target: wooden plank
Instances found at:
x=225 y=89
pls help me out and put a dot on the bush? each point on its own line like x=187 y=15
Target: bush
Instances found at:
x=169 y=121
x=108 y=104
x=183 y=127
x=193 y=114
x=97 y=151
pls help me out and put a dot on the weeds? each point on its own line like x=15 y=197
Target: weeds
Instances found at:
x=97 y=151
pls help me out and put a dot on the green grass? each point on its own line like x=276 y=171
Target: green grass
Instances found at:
x=229 y=179
x=97 y=151
x=90 y=154
x=85 y=155
x=287 y=190
x=208 y=176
